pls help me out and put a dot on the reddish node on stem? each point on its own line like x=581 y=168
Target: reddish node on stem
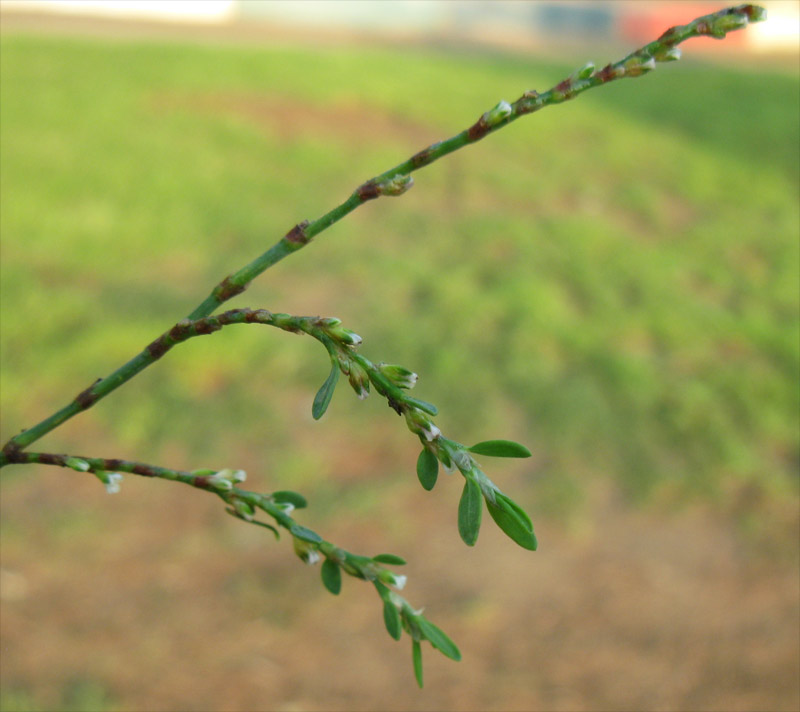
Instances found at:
x=368 y=191
x=478 y=130
x=297 y=235
x=157 y=348
x=207 y=326
x=423 y=157
x=143 y=470
x=565 y=88
x=669 y=36
x=226 y=289
x=606 y=74
x=86 y=398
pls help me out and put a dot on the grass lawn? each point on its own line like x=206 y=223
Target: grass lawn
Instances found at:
x=612 y=282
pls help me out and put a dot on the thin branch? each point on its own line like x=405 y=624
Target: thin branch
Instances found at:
x=389 y=380
x=397 y=180
x=309 y=546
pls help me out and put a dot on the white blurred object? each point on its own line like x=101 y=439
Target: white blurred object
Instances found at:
x=781 y=31
x=210 y=11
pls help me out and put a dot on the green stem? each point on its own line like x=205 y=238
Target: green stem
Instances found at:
x=635 y=64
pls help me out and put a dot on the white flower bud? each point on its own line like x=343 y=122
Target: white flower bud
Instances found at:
x=113 y=482
x=498 y=114
x=673 y=54
x=397 y=185
x=431 y=432
x=584 y=72
x=462 y=460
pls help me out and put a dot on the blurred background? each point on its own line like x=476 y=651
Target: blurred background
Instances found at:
x=613 y=283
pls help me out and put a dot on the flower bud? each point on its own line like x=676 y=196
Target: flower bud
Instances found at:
x=110 y=479
x=637 y=65
x=306 y=551
x=727 y=23
x=243 y=509
x=420 y=424
x=673 y=54
x=397 y=185
x=77 y=464
x=463 y=461
x=399 y=375
x=114 y=479
x=584 y=72
x=392 y=579
x=344 y=336
x=498 y=114
x=359 y=380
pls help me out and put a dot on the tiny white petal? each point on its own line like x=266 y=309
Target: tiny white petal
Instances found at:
x=312 y=557
x=400 y=581
x=431 y=432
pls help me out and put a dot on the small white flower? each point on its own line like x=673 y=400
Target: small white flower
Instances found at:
x=431 y=432
x=287 y=507
x=462 y=460
x=312 y=557
x=400 y=581
x=113 y=482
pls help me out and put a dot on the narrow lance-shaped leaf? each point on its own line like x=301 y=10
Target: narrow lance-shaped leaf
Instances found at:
x=305 y=534
x=416 y=657
x=424 y=406
x=331 y=576
x=293 y=498
x=469 y=512
x=500 y=448
x=427 y=469
x=438 y=639
x=389 y=559
x=325 y=393
x=512 y=520
x=391 y=618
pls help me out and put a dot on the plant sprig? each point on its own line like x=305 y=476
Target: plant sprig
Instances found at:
x=310 y=547
x=390 y=381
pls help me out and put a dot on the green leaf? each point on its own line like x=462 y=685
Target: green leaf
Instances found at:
x=513 y=521
x=424 y=406
x=294 y=498
x=391 y=619
x=389 y=559
x=331 y=576
x=427 y=469
x=416 y=657
x=265 y=525
x=438 y=639
x=469 y=513
x=500 y=448
x=305 y=534
x=325 y=393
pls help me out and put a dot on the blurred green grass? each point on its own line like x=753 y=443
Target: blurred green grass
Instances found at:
x=613 y=282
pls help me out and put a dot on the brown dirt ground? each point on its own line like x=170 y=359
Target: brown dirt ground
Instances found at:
x=164 y=603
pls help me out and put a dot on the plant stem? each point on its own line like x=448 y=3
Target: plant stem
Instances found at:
x=635 y=64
